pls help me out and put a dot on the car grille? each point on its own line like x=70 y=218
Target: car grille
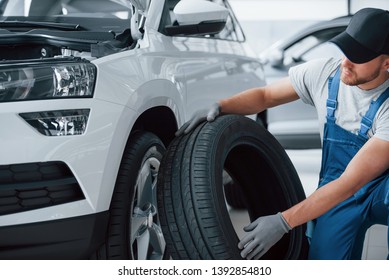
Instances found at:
x=29 y=186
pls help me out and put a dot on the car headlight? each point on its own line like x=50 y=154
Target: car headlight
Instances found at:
x=35 y=81
x=58 y=123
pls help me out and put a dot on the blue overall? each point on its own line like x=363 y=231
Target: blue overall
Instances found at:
x=340 y=232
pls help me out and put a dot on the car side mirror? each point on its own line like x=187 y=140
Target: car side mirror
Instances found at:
x=197 y=17
x=276 y=58
x=140 y=5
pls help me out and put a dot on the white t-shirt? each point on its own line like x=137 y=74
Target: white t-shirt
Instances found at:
x=310 y=80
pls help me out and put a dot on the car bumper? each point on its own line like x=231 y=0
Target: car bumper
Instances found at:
x=74 y=238
x=92 y=158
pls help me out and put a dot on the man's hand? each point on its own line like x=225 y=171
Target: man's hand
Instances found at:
x=262 y=234
x=198 y=117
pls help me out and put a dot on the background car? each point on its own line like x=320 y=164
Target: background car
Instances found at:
x=295 y=124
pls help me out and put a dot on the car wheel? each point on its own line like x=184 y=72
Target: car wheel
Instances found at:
x=192 y=208
x=134 y=230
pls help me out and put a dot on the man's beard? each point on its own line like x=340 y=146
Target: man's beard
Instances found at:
x=353 y=80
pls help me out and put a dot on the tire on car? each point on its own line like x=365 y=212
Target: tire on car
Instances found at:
x=134 y=230
x=194 y=216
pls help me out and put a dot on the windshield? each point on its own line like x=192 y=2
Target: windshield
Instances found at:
x=68 y=15
x=65 y=8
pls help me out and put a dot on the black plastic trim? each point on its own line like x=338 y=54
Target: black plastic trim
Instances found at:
x=29 y=186
x=73 y=238
x=211 y=27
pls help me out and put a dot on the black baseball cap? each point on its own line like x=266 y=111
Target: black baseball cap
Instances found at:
x=366 y=36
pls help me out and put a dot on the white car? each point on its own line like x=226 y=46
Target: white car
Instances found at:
x=91 y=94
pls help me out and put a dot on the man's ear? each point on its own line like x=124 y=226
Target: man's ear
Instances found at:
x=386 y=62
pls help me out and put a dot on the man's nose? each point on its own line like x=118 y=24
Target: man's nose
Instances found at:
x=346 y=62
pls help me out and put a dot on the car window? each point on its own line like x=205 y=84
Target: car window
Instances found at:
x=295 y=51
x=312 y=46
x=322 y=50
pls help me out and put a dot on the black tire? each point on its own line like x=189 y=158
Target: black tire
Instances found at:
x=193 y=212
x=133 y=209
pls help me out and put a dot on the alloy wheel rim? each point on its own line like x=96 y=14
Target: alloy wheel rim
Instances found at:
x=147 y=241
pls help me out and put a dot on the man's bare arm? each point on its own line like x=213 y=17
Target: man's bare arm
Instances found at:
x=255 y=100
x=370 y=162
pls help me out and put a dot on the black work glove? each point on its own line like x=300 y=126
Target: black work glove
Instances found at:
x=262 y=234
x=198 y=117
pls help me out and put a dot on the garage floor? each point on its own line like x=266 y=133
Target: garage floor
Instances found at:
x=307 y=164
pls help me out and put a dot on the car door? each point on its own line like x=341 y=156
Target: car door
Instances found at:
x=217 y=66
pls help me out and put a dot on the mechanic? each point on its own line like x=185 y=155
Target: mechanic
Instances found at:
x=351 y=98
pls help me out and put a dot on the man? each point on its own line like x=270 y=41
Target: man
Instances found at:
x=351 y=97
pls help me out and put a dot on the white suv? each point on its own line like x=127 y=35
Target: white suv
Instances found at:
x=91 y=94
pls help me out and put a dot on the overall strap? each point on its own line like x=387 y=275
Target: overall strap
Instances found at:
x=332 y=102
x=367 y=120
